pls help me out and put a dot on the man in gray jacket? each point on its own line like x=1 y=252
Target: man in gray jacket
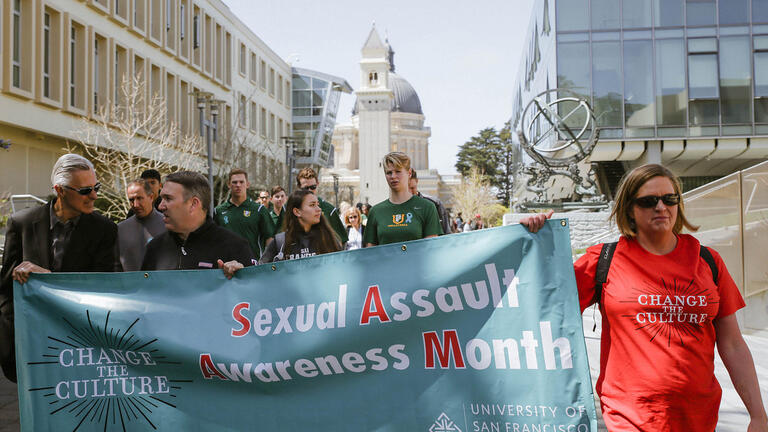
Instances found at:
x=134 y=233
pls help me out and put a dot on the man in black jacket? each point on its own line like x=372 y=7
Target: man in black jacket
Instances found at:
x=193 y=241
x=65 y=235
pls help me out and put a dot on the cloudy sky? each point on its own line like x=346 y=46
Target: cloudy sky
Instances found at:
x=461 y=57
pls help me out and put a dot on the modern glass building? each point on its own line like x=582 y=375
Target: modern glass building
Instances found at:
x=315 y=105
x=678 y=82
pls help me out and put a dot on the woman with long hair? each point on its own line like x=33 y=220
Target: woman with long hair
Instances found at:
x=403 y=216
x=355 y=229
x=306 y=232
x=667 y=302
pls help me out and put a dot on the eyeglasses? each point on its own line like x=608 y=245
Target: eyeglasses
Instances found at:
x=353 y=217
x=650 y=201
x=310 y=187
x=263 y=197
x=85 y=190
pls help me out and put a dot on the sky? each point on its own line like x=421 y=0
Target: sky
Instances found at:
x=461 y=57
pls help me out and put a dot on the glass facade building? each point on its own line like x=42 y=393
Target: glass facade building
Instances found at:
x=689 y=73
x=315 y=102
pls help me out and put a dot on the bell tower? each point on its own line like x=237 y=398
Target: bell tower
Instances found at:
x=374 y=100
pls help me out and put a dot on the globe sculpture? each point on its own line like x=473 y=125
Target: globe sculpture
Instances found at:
x=558 y=129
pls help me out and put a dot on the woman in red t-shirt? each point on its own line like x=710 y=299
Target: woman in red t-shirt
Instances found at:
x=663 y=315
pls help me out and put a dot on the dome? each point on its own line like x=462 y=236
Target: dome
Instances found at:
x=404 y=97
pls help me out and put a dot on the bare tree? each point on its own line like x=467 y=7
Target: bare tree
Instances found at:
x=240 y=147
x=475 y=195
x=132 y=135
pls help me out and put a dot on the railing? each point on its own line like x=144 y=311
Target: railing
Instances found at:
x=732 y=214
x=25 y=197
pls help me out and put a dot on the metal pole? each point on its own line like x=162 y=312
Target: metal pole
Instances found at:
x=210 y=164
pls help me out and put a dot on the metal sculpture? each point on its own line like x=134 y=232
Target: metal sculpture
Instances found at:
x=557 y=143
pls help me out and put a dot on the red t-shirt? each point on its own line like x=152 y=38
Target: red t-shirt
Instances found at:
x=658 y=341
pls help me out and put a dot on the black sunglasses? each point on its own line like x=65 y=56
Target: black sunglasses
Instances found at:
x=650 y=201
x=85 y=190
x=311 y=187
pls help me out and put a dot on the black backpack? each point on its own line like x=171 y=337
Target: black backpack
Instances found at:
x=604 y=264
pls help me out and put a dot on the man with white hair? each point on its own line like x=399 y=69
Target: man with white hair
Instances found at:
x=64 y=235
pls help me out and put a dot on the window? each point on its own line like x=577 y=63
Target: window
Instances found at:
x=156 y=23
x=271 y=82
x=252 y=76
x=242 y=111
x=573 y=73
x=242 y=59
x=272 y=127
x=572 y=15
x=254 y=115
x=183 y=39
x=287 y=92
x=735 y=80
x=170 y=24
x=218 y=51
x=263 y=75
x=263 y=122
x=636 y=13
x=759 y=11
x=121 y=9
x=184 y=108
x=668 y=13
x=280 y=88
x=197 y=55
x=671 y=93
x=47 y=54
x=208 y=45
x=18 y=29
x=734 y=12
x=638 y=83
x=700 y=12
x=606 y=83
x=76 y=66
x=140 y=15
x=155 y=85
x=703 y=88
x=761 y=79
x=171 y=99
x=228 y=58
x=605 y=14
x=100 y=73
x=121 y=72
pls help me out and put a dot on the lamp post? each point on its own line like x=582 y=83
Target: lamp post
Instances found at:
x=290 y=160
x=208 y=129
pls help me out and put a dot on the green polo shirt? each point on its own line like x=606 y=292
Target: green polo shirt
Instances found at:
x=393 y=223
x=332 y=215
x=250 y=220
x=277 y=220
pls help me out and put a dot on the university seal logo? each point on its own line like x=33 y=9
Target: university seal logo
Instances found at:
x=398 y=218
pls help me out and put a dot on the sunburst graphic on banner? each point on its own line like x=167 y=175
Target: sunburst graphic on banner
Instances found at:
x=110 y=393
x=671 y=326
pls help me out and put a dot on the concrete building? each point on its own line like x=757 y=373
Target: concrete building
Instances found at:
x=683 y=83
x=62 y=60
x=387 y=116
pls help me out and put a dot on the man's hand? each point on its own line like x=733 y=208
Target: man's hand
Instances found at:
x=229 y=267
x=536 y=222
x=22 y=271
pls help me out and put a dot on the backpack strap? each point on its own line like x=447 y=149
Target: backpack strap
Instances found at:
x=603 y=265
x=707 y=255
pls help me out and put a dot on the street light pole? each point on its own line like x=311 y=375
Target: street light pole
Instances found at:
x=204 y=100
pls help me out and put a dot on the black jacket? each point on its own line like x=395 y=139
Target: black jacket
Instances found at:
x=201 y=250
x=91 y=248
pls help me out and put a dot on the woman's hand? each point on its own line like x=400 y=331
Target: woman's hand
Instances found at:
x=536 y=222
x=229 y=267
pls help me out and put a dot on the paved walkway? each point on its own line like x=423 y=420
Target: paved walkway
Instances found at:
x=733 y=415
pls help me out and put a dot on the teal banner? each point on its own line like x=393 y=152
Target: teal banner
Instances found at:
x=478 y=331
